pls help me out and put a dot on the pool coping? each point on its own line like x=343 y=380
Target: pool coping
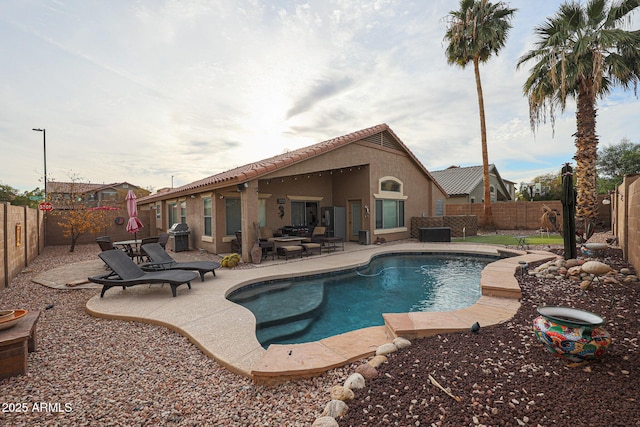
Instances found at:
x=225 y=331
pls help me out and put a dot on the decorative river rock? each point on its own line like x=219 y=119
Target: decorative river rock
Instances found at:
x=570 y=333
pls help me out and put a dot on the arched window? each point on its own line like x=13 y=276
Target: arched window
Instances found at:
x=391 y=185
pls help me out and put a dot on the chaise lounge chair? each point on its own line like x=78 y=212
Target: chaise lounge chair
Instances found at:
x=161 y=260
x=126 y=273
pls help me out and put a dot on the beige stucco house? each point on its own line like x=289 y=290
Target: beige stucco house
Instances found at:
x=366 y=180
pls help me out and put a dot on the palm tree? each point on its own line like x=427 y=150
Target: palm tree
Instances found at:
x=475 y=32
x=582 y=52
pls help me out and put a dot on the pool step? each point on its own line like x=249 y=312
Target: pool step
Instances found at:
x=278 y=332
x=256 y=291
x=284 y=305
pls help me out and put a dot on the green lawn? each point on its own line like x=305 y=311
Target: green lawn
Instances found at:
x=497 y=239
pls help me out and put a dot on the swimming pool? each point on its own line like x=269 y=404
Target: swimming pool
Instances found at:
x=297 y=310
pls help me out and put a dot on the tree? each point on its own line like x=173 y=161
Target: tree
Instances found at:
x=7 y=193
x=76 y=218
x=582 y=52
x=11 y=195
x=616 y=161
x=475 y=32
x=550 y=185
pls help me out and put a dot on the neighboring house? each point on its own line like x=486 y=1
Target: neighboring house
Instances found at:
x=364 y=181
x=511 y=188
x=466 y=184
x=91 y=195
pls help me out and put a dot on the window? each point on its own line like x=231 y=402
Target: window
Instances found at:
x=232 y=215
x=389 y=214
x=109 y=195
x=389 y=205
x=172 y=211
x=207 y=214
x=391 y=185
x=158 y=212
x=183 y=212
x=304 y=213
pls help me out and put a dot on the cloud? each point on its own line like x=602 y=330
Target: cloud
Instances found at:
x=320 y=91
x=179 y=80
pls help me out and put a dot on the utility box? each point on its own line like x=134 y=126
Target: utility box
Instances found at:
x=435 y=234
x=364 y=238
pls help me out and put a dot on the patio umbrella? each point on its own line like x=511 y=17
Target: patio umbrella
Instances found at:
x=134 y=224
x=568 y=212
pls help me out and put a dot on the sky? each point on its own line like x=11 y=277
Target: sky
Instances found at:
x=161 y=93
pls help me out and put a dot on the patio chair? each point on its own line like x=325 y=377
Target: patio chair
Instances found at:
x=163 y=238
x=236 y=244
x=126 y=273
x=161 y=260
x=138 y=253
x=317 y=235
x=105 y=245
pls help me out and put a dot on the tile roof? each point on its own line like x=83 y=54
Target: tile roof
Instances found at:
x=459 y=181
x=263 y=167
x=72 y=187
x=81 y=187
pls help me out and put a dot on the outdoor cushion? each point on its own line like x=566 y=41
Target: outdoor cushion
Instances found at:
x=287 y=251
x=311 y=248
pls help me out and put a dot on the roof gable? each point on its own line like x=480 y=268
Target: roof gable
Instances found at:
x=380 y=135
x=459 y=181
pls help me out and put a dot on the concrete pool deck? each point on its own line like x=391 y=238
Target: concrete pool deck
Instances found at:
x=225 y=331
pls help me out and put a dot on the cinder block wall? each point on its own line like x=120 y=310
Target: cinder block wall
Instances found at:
x=461 y=225
x=115 y=231
x=521 y=215
x=21 y=239
x=634 y=225
x=626 y=223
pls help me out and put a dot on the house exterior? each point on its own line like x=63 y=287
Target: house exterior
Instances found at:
x=465 y=184
x=90 y=195
x=364 y=181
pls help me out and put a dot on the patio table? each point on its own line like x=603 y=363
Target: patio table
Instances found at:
x=131 y=247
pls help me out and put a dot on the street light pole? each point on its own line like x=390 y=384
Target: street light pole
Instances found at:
x=44 y=142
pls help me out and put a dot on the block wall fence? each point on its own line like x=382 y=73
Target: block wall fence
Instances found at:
x=21 y=239
x=22 y=229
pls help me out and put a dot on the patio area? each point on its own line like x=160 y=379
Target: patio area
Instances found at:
x=226 y=331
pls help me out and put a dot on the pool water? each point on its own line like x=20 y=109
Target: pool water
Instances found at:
x=309 y=309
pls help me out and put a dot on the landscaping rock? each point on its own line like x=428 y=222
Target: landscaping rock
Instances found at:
x=341 y=393
x=355 y=382
x=335 y=409
x=386 y=349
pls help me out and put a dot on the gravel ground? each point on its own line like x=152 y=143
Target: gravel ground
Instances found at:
x=504 y=377
x=90 y=371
